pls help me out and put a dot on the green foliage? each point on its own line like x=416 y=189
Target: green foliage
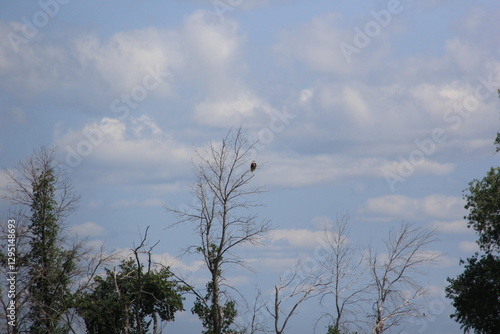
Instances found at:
x=112 y=305
x=50 y=265
x=475 y=294
x=205 y=309
x=334 y=330
x=497 y=142
x=483 y=203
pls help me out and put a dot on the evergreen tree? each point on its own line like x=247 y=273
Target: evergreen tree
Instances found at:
x=50 y=265
x=43 y=196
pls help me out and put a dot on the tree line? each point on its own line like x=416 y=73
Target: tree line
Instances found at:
x=64 y=286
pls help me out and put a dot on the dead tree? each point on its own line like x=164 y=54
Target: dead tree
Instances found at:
x=394 y=276
x=344 y=265
x=224 y=196
x=301 y=284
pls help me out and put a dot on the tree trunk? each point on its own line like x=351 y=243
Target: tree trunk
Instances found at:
x=215 y=304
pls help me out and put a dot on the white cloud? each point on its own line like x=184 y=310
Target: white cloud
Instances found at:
x=175 y=263
x=88 y=229
x=306 y=95
x=325 y=46
x=240 y=280
x=400 y=169
x=441 y=260
x=129 y=203
x=212 y=53
x=202 y=50
x=296 y=238
x=442 y=206
x=469 y=247
x=317 y=44
x=215 y=42
x=273 y=264
x=136 y=149
x=404 y=207
x=229 y=111
x=123 y=61
x=457 y=226
x=303 y=170
x=356 y=103
x=294 y=170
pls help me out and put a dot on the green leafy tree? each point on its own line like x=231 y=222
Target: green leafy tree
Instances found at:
x=112 y=306
x=475 y=293
x=332 y=330
x=483 y=203
x=205 y=309
x=50 y=264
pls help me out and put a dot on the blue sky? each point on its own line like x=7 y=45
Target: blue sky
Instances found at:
x=385 y=116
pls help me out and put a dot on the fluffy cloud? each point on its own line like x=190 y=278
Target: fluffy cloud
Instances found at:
x=136 y=149
x=88 y=229
x=272 y=264
x=229 y=111
x=404 y=207
x=318 y=44
x=296 y=238
x=124 y=60
x=201 y=51
x=129 y=203
x=169 y=260
x=468 y=247
x=303 y=170
x=457 y=226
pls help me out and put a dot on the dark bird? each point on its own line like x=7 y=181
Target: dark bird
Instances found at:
x=253 y=166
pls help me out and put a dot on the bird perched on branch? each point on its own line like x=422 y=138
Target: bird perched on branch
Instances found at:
x=253 y=166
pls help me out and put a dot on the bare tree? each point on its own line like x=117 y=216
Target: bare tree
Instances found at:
x=27 y=173
x=223 y=195
x=343 y=264
x=394 y=276
x=301 y=284
x=253 y=321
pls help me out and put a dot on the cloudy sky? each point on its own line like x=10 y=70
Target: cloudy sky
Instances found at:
x=382 y=109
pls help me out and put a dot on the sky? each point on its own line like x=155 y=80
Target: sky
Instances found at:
x=384 y=110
